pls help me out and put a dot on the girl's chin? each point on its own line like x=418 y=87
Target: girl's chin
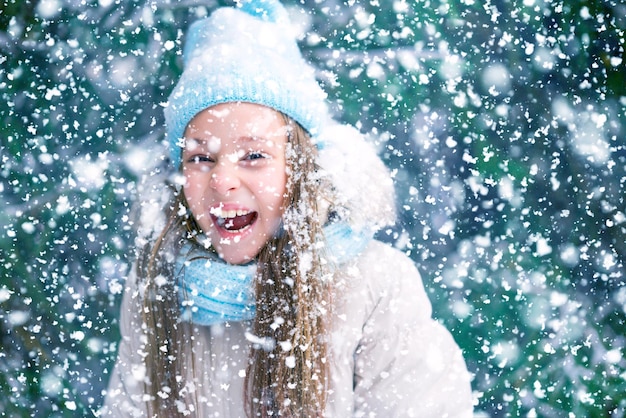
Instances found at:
x=235 y=250
x=237 y=247
x=233 y=256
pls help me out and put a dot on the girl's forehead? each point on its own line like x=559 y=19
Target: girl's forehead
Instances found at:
x=232 y=133
x=239 y=121
x=211 y=144
x=214 y=144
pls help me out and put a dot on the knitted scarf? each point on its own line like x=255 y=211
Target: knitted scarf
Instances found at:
x=213 y=291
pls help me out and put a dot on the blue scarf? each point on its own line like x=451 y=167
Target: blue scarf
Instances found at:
x=213 y=291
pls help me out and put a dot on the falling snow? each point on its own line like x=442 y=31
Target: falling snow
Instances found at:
x=502 y=124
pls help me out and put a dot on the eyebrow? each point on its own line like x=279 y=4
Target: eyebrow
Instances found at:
x=242 y=140
x=245 y=138
x=251 y=138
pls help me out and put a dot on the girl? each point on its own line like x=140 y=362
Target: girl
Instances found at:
x=258 y=288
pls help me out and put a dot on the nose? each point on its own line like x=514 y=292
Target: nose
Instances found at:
x=224 y=178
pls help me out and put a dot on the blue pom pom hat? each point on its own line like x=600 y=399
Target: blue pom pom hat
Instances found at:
x=244 y=54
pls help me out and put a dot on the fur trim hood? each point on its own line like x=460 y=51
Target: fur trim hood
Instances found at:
x=361 y=182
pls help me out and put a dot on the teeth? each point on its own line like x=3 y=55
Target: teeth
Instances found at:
x=222 y=213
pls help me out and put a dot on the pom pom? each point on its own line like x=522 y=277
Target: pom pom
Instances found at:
x=268 y=10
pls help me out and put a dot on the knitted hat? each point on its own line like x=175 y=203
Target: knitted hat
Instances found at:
x=244 y=54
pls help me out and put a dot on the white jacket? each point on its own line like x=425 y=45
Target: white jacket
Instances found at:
x=389 y=357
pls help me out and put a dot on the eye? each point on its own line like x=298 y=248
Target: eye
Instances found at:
x=255 y=155
x=254 y=158
x=198 y=159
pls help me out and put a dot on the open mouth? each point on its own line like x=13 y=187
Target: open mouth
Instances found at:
x=233 y=220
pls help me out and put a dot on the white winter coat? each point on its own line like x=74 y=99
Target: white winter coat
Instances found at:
x=389 y=357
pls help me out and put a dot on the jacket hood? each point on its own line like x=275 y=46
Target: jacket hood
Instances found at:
x=361 y=182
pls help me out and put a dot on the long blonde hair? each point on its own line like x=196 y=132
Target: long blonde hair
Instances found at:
x=289 y=376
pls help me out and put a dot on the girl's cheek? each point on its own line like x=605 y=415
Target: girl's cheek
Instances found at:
x=192 y=180
x=190 y=189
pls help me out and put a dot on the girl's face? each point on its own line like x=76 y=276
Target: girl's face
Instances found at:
x=235 y=176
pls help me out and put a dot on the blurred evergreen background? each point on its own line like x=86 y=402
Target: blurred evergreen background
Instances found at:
x=503 y=121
